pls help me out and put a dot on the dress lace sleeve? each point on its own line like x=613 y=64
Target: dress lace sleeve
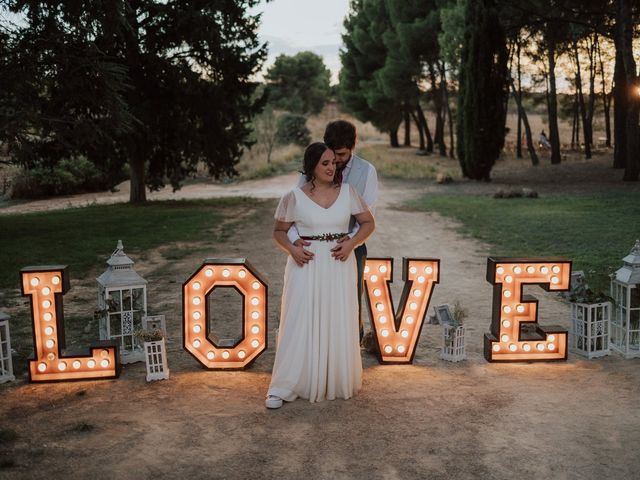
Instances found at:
x=286 y=207
x=358 y=205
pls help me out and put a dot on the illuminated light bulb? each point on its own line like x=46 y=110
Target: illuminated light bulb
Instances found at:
x=76 y=364
x=48 y=331
x=46 y=304
x=62 y=366
x=508 y=279
x=421 y=279
x=104 y=353
x=544 y=269
x=520 y=308
x=526 y=347
x=499 y=270
x=379 y=307
x=35 y=281
x=496 y=347
x=377 y=292
x=197 y=328
x=196 y=343
x=225 y=354
x=428 y=270
x=47 y=316
x=46 y=291
x=374 y=278
x=388 y=349
x=366 y=269
x=255 y=329
x=196 y=300
x=255 y=301
x=384 y=333
x=504 y=338
x=551 y=346
x=55 y=280
x=506 y=309
x=255 y=315
x=50 y=343
x=196 y=286
x=197 y=315
x=555 y=269
x=255 y=343
x=255 y=285
x=555 y=280
x=42 y=367
x=507 y=293
x=104 y=363
x=413 y=270
x=413 y=306
x=409 y=320
x=242 y=273
x=51 y=356
x=551 y=338
x=540 y=347
x=517 y=270
x=400 y=348
x=531 y=269
x=404 y=333
x=91 y=363
x=226 y=272
x=382 y=319
x=417 y=292
x=241 y=354
x=382 y=269
x=513 y=347
x=506 y=323
x=211 y=355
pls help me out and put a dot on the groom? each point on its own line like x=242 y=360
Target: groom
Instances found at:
x=340 y=136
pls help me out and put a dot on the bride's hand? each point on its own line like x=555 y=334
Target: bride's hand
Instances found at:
x=343 y=249
x=299 y=254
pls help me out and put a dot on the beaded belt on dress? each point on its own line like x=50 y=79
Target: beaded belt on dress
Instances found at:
x=325 y=237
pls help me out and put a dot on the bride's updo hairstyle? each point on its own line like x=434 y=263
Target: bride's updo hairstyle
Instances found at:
x=311 y=158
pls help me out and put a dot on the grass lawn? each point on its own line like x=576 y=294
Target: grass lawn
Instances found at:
x=84 y=237
x=595 y=231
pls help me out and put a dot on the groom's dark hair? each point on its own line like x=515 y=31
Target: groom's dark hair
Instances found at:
x=340 y=134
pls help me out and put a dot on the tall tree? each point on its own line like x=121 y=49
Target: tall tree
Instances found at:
x=483 y=89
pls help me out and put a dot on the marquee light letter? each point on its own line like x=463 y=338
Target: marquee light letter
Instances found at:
x=214 y=273
x=515 y=333
x=46 y=286
x=397 y=334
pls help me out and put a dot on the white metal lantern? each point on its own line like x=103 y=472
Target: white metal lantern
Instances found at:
x=156 y=360
x=122 y=299
x=625 y=324
x=590 y=329
x=6 y=364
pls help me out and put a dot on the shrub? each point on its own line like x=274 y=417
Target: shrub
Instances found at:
x=293 y=129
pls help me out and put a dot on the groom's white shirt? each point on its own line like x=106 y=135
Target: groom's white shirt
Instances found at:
x=369 y=195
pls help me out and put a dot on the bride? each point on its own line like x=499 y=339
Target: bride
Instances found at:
x=318 y=354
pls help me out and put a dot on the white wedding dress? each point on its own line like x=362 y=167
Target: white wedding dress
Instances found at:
x=318 y=355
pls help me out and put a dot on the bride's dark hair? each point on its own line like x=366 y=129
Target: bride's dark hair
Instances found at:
x=311 y=159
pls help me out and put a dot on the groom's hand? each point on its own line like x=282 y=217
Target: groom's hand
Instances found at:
x=300 y=254
x=343 y=249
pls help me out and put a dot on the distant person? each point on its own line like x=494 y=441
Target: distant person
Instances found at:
x=543 y=141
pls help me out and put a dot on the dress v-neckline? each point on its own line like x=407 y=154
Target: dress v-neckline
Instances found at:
x=317 y=204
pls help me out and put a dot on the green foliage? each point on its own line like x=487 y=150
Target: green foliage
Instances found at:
x=451 y=36
x=299 y=83
x=292 y=129
x=594 y=231
x=69 y=176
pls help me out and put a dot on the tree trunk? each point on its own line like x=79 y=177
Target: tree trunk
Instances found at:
x=138 y=193
x=606 y=99
x=525 y=120
x=393 y=138
x=438 y=138
x=420 y=130
x=427 y=133
x=407 y=127
x=443 y=101
x=519 y=103
x=620 y=104
x=554 y=135
x=592 y=89
x=581 y=105
x=632 y=167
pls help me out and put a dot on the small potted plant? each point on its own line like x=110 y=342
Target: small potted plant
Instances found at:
x=155 y=355
x=453 y=346
x=590 y=322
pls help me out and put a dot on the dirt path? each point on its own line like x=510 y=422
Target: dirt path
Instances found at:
x=432 y=419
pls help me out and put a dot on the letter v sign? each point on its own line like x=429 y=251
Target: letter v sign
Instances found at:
x=397 y=334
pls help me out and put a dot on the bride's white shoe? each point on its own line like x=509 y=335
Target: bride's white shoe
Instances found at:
x=273 y=402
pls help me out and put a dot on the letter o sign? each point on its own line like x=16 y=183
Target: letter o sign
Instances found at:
x=236 y=273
